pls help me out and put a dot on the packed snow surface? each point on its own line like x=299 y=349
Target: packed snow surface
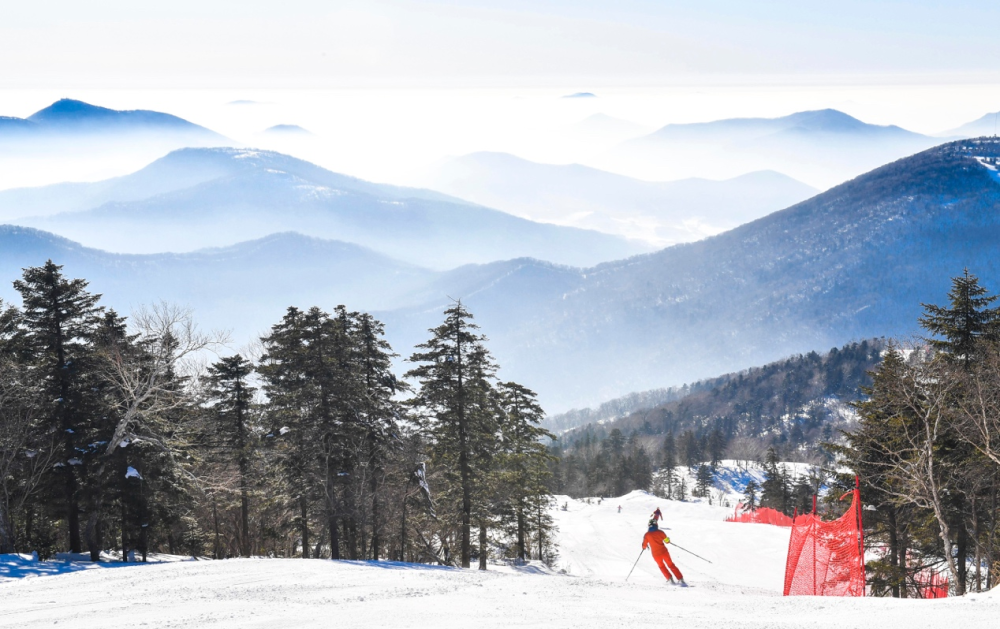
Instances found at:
x=598 y=545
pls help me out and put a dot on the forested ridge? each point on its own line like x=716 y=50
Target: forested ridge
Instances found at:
x=791 y=406
x=145 y=434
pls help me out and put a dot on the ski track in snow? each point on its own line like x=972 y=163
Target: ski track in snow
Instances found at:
x=740 y=589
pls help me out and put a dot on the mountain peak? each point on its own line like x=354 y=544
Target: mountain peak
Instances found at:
x=70 y=108
x=68 y=114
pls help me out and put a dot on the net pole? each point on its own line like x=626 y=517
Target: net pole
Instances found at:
x=861 y=532
x=813 y=526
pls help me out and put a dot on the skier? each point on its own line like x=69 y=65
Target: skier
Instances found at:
x=657 y=542
x=619 y=508
x=657 y=516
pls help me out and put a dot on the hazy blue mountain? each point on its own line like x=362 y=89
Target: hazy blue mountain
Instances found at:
x=180 y=170
x=854 y=262
x=805 y=123
x=199 y=198
x=988 y=125
x=822 y=148
x=68 y=117
x=287 y=129
x=659 y=212
x=16 y=127
x=243 y=288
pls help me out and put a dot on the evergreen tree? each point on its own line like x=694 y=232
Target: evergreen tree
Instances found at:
x=774 y=489
x=669 y=462
x=526 y=461
x=750 y=495
x=716 y=447
x=968 y=319
x=451 y=367
x=60 y=317
x=232 y=429
x=379 y=413
x=289 y=380
x=704 y=478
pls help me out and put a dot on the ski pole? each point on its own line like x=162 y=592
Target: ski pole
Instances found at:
x=636 y=563
x=688 y=552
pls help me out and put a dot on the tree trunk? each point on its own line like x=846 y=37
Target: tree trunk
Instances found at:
x=352 y=539
x=29 y=526
x=93 y=534
x=375 y=518
x=124 y=517
x=893 y=549
x=463 y=457
x=402 y=532
x=540 y=558
x=215 y=521
x=304 y=526
x=6 y=533
x=482 y=543
x=73 y=513
x=962 y=556
x=245 y=549
x=520 y=532
x=334 y=538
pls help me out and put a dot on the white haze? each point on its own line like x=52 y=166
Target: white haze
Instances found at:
x=399 y=135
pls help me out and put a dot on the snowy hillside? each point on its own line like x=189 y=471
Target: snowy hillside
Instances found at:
x=595 y=540
x=731 y=478
x=598 y=545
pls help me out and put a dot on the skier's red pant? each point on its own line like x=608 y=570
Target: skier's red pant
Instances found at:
x=666 y=565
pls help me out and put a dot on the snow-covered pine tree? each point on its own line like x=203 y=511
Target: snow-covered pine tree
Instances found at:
x=231 y=428
x=59 y=318
x=378 y=417
x=525 y=460
x=451 y=367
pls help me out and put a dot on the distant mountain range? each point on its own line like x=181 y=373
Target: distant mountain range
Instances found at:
x=822 y=148
x=988 y=125
x=71 y=119
x=659 y=212
x=854 y=262
x=196 y=198
x=245 y=288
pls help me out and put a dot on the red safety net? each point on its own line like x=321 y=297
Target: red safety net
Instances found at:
x=827 y=558
x=764 y=515
x=931 y=584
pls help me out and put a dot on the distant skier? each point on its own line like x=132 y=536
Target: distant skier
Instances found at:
x=619 y=508
x=657 y=516
x=657 y=542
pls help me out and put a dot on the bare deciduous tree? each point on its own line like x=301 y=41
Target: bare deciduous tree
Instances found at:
x=152 y=373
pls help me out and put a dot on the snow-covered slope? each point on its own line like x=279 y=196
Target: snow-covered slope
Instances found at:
x=741 y=588
x=597 y=541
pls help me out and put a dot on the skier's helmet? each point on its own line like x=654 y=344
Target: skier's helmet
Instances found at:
x=653 y=526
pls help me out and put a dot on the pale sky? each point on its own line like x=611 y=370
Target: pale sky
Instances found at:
x=407 y=43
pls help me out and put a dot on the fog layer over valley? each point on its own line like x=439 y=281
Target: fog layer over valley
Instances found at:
x=854 y=262
x=196 y=198
x=662 y=213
